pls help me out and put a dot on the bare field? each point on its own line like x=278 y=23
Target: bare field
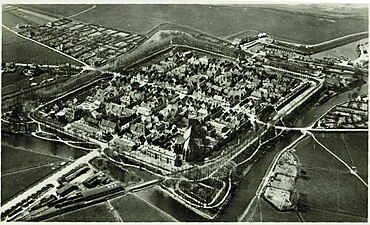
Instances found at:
x=326 y=184
x=261 y=211
x=277 y=23
x=134 y=209
x=12 y=184
x=94 y=213
x=13 y=159
x=17 y=49
x=348 y=50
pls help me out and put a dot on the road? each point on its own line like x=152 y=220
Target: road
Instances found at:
x=24 y=170
x=352 y=171
x=114 y=211
x=82 y=12
x=49 y=180
x=48 y=47
x=52 y=179
x=338 y=39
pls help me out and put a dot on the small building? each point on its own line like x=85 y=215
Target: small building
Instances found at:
x=92 y=181
x=66 y=189
x=124 y=143
x=108 y=126
x=89 y=194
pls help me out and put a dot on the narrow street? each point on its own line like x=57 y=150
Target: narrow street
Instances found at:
x=114 y=211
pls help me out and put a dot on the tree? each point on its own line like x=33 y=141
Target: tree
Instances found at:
x=354 y=95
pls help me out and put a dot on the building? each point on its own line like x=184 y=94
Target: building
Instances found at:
x=108 y=126
x=89 y=106
x=158 y=156
x=138 y=129
x=100 y=191
x=124 y=143
x=79 y=126
x=119 y=110
x=66 y=189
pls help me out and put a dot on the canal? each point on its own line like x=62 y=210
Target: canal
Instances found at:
x=248 y=187
x=28 y=142
x=241 y=196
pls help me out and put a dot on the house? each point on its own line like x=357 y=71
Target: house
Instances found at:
x=80 y=126
x=256 y=94
x=143 y=110
x=96 y=114
x=124 y=143
x=138 y=129
x=108 y=126
x=69 y=114
x=114 y=109
x=100 y=95
x=111 y=91
x=204 y=60
x=125 y=100
x=89 y=106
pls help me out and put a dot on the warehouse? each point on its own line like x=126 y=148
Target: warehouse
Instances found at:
x=102 y=190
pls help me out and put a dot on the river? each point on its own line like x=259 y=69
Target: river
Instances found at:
x=42 y=146
x=313 y=114
x=248 y=187
x=240 y=198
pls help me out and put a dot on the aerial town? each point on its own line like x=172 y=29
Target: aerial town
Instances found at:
x=180 y=113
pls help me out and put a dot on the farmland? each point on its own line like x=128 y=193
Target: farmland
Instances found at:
x=14 y=159
x=327 y=192
x=12 y=184
x=134 y=209
x=94 y=213
x=348 y=50
x=14 y=51
x=279 y=24
x=326 y=183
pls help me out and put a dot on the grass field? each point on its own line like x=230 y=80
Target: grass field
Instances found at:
x=20 y=169
x=12 y=184
x=261 y=211
x=11 y=20
x=350 y=147
x=132 y=208
x=17 y=49
x=327 y=189
x=242 y=34
x=298 y=27
x=348 y=50
x=358 y=145
x=328 y=184
x=335 y=143
x=320 y=215
x=312 y=155
x=11 y=78
x=13 y=159
x=254 y=212
x=54 y=9
x=94 y=213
